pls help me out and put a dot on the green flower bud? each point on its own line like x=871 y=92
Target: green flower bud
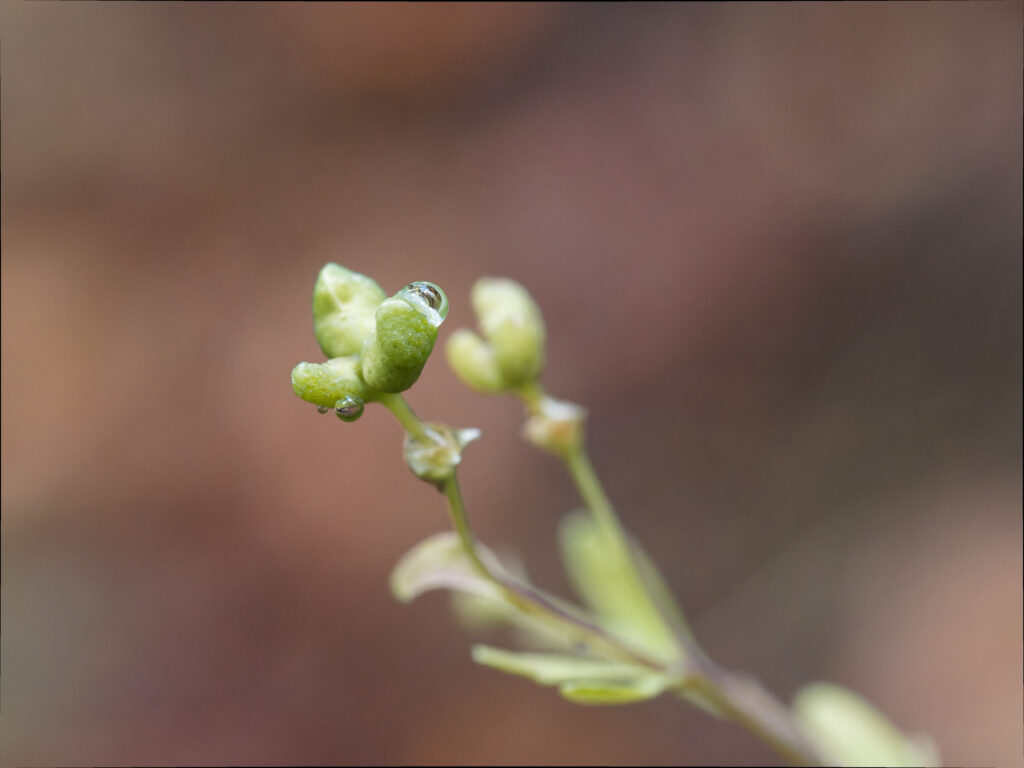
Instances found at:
x=344 y=303
x=473 y=361
x=512 y=324
x=331 y=385
x=406 y=329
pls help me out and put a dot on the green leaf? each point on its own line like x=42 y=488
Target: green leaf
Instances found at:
x=601 y=571
x=664 y=600
x=478 y=614
x=439 y=562
x=589 y=681
x=612 y=692
x=854 y=733
x=555 y=668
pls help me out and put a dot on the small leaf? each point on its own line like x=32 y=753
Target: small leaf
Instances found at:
x=590 y=681
x=554 y=668
x=663 y=598
x=479 y=614
x=610 y=692
x=439 y=562
x=601 y=572
x=852 y=732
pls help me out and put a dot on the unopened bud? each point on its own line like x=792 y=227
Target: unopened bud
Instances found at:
x=434 y=455
x=331 y=385
x=473 y=361
x=512 y=324
x=556 y=426
x=344 y=303
x=405 y=332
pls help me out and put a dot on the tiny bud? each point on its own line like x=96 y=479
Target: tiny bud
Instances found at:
x=512 y=324
x=344 y=303
x=435 y=455
x=556 y=426
x=406 y=329
x=473 y=361
x=324 y=384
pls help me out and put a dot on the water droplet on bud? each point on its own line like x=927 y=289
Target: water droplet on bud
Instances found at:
x=322 y=409
x=349 y=408
x=429 y=299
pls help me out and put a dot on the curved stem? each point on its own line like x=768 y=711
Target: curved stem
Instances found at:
x=410 y=422
x=577 y=463
x=460 y=521
x=739 y=698
x=527 y=599
x=580 y=469
x=594 y=496
x=747 y=703
x=742 y=700
x=524 y=597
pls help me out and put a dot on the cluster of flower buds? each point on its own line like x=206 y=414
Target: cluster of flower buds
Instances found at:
x=507 y=356
x=374 y=344
x=510 y=354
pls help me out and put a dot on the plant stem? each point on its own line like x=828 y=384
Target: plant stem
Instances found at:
x=527 y=599
x=577 y=463
x=581 y=470
x=410 y=422
x=590 y=488
x=460 y=521
x=741 y=699
x=747 y=703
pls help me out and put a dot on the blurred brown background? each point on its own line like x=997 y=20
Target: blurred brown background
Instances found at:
x=779 y=253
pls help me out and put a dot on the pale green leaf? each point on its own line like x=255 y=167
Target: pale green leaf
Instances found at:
x=477 y=614
x=663 y=598
x=554 y=668
x=439 y=562
x=590 y=681
x=615 y=692
x=601 y=571
x=854 y=733
x=480 y=614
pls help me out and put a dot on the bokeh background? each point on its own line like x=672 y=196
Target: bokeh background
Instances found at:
x=778 y=248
